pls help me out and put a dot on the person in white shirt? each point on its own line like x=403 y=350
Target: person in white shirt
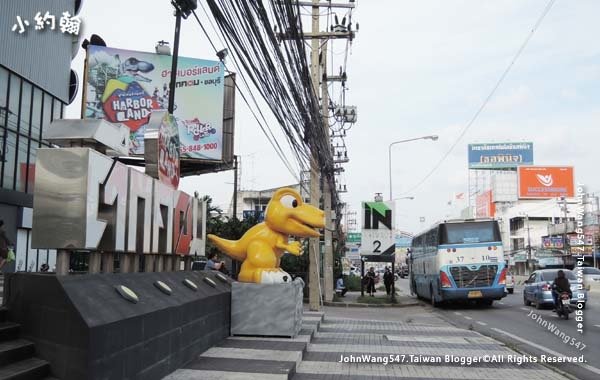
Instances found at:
x=340 y=287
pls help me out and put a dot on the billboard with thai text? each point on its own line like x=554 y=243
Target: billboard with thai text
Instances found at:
x=500 y=155
x=125 y=86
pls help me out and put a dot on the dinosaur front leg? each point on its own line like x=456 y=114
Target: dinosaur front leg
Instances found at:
x=261 y=265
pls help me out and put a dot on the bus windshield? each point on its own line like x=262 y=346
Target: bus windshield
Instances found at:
x=469 y=232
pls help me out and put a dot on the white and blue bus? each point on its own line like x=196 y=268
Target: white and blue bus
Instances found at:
x=459 y=260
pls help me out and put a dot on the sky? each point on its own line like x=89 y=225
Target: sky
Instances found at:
x=416 y=68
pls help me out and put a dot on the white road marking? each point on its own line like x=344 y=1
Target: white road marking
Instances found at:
x=501 y=303
x=549 y=351
x=469 y=318
x=525 y=309
x=597 y=325
x=457 y=313
x=481 y=323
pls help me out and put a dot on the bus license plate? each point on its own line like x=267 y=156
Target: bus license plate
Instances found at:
x=475 y=294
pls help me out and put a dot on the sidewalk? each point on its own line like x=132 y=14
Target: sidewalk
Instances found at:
x=413 y=335
x=380 y=299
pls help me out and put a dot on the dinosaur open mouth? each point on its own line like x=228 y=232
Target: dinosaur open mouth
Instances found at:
x=303 y=229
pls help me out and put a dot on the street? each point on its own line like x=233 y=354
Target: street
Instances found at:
x=519 y=326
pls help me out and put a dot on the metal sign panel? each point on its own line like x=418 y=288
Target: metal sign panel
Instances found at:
x=546 y=181
x=84 y=200
x=500 y=155
x=124 y=86
x=377 y=236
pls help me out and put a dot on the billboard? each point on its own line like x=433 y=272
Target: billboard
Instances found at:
x=484 y=206
x=125 y=86
x=500 y=155
x=546 y=181
x=552 y=242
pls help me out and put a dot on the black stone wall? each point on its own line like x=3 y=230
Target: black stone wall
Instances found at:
x=86 y=330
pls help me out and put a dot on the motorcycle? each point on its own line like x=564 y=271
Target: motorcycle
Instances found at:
x=564 y=307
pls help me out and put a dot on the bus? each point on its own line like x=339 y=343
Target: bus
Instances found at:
x=459 y=260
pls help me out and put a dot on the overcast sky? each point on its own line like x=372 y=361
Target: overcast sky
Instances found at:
x=418 y=68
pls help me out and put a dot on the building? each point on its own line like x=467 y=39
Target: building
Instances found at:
x=34 y=90
x=254 y=202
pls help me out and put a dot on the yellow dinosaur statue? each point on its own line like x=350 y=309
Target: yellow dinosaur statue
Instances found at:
x=262 y=246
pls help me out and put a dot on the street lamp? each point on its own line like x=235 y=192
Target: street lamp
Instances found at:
x=432 y=138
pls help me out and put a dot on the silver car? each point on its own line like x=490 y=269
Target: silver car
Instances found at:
x=538 y=288
x=591 y=276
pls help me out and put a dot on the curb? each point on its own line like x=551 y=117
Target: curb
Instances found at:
x=381 y=305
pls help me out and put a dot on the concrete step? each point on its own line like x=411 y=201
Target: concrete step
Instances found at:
x=9 y=331
x=12 y=351
x=28 y=369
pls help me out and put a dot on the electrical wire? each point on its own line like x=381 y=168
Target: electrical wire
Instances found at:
x=486 y=100
x=269 y=135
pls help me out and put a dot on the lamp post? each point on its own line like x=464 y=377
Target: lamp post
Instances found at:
x=394 y=262
x=431 y=137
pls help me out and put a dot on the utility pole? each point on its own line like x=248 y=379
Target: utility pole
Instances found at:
x=328 y=248
x=318 y=74
x=564 y=199
x=314 y=252
x=528 y=244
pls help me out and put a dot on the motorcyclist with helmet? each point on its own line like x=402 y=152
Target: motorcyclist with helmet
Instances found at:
x=561 y=284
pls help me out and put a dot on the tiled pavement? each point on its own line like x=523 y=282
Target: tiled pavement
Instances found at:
x=316 y=353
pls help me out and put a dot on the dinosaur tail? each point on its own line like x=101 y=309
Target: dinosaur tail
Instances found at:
x=231 y=248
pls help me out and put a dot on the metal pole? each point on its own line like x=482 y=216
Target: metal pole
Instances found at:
x=235 y=185
x=390 y=167
x=174 y=62
x=528 y=245
x=565 y=235
x=394 y=280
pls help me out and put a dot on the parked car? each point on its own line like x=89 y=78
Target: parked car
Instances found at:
x=510 y=283
x=403 y=271
x=591 y=276
x=538 y=288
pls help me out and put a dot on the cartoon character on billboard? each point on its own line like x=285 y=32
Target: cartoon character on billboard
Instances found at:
x=122 y=99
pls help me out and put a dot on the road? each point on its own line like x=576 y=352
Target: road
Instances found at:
x=520 y=327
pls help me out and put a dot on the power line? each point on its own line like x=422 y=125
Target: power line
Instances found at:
x=487 y=99
x=270 y=137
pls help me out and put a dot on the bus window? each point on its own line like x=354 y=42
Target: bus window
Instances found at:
x=472 y=232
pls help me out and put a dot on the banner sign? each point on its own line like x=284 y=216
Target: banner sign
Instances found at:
x=484 y=205
x=546 y=181
x=552 y=242
x=377 y=236
x=500 y=155
x=124 y=86
x=168 y=154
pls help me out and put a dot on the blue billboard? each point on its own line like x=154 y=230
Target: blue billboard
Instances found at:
x=500 y=155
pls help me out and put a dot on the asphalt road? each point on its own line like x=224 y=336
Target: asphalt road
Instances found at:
x=520 y=326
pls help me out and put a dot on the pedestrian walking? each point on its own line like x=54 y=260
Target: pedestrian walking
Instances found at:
x=388 y=280
x=370 y=281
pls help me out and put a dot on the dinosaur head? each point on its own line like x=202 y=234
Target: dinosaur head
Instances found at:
x=287 y=213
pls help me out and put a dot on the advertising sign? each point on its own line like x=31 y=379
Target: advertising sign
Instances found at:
x=124 y=86
x=552 y=243
x=500 y=155
x=546 y=181
x=484 y=207
x=377 y=236
x=168 y=154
